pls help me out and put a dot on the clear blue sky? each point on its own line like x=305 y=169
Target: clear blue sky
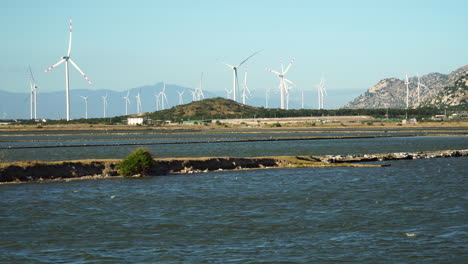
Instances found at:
x=127 y=44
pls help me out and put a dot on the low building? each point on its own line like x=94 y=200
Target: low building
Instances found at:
x=133 y=121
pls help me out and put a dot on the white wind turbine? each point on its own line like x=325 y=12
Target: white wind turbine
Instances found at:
x=267 y=97
x=228 y=93
x=156 y=100
x=283 y=81
x=321 y=92
x=235 y=80
x=181 y=97
x=199 y=90
x=194 y=95
x=245 y=88
x=127 y=101
x=420 y=84
x=163 y=98
x=407 y=90
x=33 y=90
x=85 y=98
x=104 y=101
x=66 y=59
x=138 y=102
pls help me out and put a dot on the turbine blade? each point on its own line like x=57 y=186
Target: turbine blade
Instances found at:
x=289 y=66
x=70 y=39
x=288 y=81
x=229 y=65
x=273 y=71
x=57 y=64
x=248 y=58
x=32 y=76
x=78 y=68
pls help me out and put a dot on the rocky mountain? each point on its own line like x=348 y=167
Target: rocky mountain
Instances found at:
x=391 y=92
x=455 y=95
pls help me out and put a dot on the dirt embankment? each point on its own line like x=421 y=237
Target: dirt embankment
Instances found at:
x=85 y=169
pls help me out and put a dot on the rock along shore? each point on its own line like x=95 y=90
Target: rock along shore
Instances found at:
x=35 y=171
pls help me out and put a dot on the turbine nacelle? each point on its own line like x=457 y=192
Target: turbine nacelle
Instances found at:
x=65 y=57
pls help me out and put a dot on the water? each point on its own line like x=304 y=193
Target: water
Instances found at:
x=243 y=149
x=411 y=212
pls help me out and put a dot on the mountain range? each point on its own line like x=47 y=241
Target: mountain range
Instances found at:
x=391 y=92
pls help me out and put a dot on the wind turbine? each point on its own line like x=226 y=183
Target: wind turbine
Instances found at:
x=194 y=95
x=138 y=102
x=245 y=88
x=85 y=98
x=104 y=101
x=181 y=97
x=66 y=59
x=321 y=92
x=283 y=81
x=199 y=90
x=228 y=93
x=156 y=97
x=33 y=90
x=407 y=90
x=419 y=88
x=163 y=98
x=127 y=101
x=235 y=80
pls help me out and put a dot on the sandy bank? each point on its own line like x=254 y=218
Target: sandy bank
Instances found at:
x=18 y=172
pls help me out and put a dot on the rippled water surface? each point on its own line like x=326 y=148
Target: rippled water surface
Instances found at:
x=411 y=212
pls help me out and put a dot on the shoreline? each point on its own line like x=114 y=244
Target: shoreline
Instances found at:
x=38 y=172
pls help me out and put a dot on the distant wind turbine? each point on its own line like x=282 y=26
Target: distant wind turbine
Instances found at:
x=199 y=90
x=85 y=98
x=283 y=81
x=181 y=97
x=420 y=84
x=33 y=90
x=138 y=102
x=407 y=90
x=66 y=59
x=127 y=101
x=321 y=92
x=235 y=80
x=228 y=93
x=104 y=101
x=163 y=98
x=245 y=88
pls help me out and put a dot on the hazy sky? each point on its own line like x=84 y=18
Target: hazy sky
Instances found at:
x=127 y=44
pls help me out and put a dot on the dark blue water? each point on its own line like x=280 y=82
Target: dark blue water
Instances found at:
x=412 y=212
x=245 y=149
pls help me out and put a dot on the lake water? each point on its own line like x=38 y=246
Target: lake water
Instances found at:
x=414 y=211
x=411 y=212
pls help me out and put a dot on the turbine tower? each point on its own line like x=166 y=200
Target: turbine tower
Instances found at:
x=267 y=97
x=235 y=80
x=163 y=98
x=85 y=98
x=245 y=88
x=407 y=90
x=283 y=81
x=181 y=97
x=228 y=93
x=420 y=84
x=127 y=101
x=156 y=97
x=321 y=92
x=33 y=90
x=67 y=59
x=199 y=90
x=104 y=101
x=138 y=102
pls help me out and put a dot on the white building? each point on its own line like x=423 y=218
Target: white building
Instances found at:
x=135 y=121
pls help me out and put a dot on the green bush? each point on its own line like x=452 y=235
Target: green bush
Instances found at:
x=139 y=162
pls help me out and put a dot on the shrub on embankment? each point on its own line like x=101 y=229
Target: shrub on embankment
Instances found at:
x=139 y=162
